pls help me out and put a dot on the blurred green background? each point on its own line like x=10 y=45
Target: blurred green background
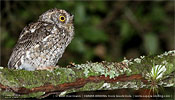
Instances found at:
x=104 y=30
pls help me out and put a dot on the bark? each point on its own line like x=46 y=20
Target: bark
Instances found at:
x=134 y=73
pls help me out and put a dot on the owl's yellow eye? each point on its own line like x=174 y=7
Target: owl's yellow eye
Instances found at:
x=62 y=18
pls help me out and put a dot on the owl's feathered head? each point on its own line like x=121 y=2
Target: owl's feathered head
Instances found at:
x=57 y=16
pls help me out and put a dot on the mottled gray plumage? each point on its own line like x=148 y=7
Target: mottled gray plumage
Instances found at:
x=41 y=44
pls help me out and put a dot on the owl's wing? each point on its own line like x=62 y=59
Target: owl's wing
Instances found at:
x=30 y=36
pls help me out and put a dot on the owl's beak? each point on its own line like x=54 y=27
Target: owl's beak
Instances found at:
x=71 y=15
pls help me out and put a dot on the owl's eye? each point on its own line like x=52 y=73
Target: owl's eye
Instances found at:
x=62 y=18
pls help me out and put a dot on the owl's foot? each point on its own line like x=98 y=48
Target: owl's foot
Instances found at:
x=50 y=68
x=71 y=64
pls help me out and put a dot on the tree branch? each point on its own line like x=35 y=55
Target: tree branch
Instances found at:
x=134 y=73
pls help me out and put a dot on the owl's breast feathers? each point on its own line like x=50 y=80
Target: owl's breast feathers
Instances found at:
x=35 y=41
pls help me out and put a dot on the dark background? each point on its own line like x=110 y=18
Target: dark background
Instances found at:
x=104 y=30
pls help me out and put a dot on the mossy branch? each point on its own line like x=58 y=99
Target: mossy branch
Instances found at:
x=134 y=73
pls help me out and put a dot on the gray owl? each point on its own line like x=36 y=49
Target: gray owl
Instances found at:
x=41 y=44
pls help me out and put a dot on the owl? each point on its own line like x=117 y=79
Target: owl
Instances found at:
x=42 y=43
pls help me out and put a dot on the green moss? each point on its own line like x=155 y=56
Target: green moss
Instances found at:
x=170 y=68
x=6 y=94
x=90 y=86
x=30 y=79
x=79 y=73
x=65 y=75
